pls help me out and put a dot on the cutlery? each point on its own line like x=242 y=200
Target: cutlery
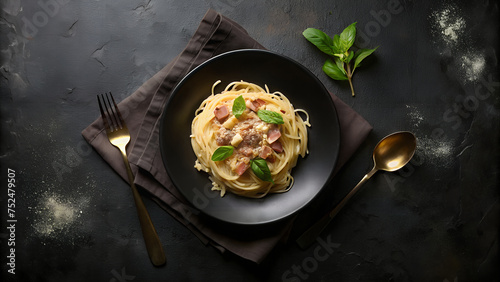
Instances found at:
x=119 y=136
x=390 y=154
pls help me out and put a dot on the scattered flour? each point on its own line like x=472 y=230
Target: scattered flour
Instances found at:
x=449 y=27
x=415 y=116
x=55 y=215
x=449 y=24
x=473 y=66
x=437 y=152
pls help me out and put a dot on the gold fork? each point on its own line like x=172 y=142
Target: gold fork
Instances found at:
x=119 y=136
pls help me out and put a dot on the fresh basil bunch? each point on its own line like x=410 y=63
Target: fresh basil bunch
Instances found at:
x=344 y=61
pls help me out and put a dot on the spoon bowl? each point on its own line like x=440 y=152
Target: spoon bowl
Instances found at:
x=390 y=154
x=394 y=151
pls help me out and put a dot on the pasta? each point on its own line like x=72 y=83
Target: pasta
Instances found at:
x=248 y=139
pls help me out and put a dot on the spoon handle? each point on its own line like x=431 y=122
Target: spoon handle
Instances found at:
x=310 y=235
x=354 y=190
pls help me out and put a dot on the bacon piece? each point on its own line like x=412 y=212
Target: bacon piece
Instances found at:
x=273 y=134
x=250 y=105
x=260 y=102
x=255 y=105
x=241 y=168
x=277 y=147
x=221 y=112
x=265 y=152
x=246 y=151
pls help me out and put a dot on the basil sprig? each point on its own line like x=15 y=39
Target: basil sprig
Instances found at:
x=270 y=116
x=239 y=106
x=342 y=66
x=222 y=153
x=260 y=168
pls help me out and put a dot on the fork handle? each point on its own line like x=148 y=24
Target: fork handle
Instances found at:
x=153 y=244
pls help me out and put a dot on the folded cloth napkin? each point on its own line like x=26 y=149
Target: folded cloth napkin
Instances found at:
x=215 y=35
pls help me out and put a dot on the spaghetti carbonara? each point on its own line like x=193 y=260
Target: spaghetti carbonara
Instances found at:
x=248 y=140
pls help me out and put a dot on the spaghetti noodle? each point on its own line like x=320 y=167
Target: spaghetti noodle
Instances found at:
x=248 y=140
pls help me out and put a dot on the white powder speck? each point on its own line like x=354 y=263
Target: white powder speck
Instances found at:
x=437 y=152
x=473 y=66
x=449 y=27
x=449 y=24
x=415 y=116
x=55 y=215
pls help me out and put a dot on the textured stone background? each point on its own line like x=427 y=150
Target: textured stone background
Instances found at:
x=435 y=73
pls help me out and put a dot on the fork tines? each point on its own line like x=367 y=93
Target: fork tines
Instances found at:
x=111 y=116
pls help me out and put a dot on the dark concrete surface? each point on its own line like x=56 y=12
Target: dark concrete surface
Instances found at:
x=435 y=74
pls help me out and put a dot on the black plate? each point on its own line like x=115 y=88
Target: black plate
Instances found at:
x=279 y=73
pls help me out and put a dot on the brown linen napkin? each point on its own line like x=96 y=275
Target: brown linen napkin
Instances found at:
x=215 y=35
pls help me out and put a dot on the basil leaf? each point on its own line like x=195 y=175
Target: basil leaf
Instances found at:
x=333 y=71
x=336 y=44
x=361 y=54
x=222 y=153
x=347 y=37
x=270 y=116
x=340 y=64
x=349 y=58
x=319 y=39
x=239 y=106
x=260 y=168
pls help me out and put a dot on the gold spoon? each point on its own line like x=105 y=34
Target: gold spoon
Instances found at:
x=391 y=153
